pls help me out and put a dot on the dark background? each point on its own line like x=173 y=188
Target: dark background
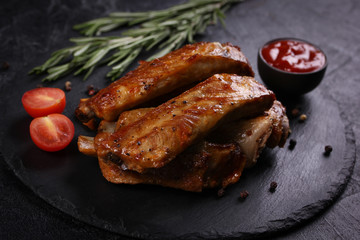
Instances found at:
x=333 y=25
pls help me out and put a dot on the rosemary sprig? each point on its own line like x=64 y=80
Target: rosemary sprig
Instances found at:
x=168 y=29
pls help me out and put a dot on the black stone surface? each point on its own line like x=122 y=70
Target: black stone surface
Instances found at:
x=308 y=181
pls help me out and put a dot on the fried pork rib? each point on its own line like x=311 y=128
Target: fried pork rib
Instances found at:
x=192 y=63
x=270 y=129
x=216 y=161
x=204 y=166
x=167 y=130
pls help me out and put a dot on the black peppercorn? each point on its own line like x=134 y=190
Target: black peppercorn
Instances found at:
x=221 y=192
x=273 y=186
x=244 y=194
x=295 y=112
x=328 y=150
x=292 y=144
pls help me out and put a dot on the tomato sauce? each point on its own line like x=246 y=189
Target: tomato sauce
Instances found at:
x=293 y=56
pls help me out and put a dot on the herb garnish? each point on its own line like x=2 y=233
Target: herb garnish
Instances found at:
x=168 y=29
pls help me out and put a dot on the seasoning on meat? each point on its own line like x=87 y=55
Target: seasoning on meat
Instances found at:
x=192 y=121
x=192 y=63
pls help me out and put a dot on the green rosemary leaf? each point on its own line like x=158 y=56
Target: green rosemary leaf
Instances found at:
x=98 y=55
x=168 y=29
x=120 y=68
x=119 y=57
x=89 y=72
x=158 y=38
x=82 y=50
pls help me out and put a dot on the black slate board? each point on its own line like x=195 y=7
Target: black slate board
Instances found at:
x=308 y=181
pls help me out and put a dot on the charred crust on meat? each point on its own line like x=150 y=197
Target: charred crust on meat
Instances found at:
x=113 y=158
x=84 y=115
x=193 y=57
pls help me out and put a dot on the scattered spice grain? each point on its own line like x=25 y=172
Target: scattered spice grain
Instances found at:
x=68 y=86
x=91 y=90
x=302 y=118
x=295 y=112
x=244 y=194
x=292 y=144
x=221 y=192
x=328 y=150
x=273 y=186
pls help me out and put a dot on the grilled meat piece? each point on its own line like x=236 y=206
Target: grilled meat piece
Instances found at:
x=192 y=63
x=204 y=166
x=164 y=132
x=270 y=129
x=216 y=161
x=281 y=128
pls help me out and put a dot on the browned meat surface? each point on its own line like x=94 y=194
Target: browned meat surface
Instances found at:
x=251 y=135
x=86 y=145
x=281 y=126
x=203 y=166
x=164 y=132
x=131 y=116
x=216 y=161
x=192 y=63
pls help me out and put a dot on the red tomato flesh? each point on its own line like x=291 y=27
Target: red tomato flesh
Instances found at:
x=41 y=102
x=52 y=133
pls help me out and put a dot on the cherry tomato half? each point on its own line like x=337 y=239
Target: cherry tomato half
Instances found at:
x=52 y=133
x=40 y=102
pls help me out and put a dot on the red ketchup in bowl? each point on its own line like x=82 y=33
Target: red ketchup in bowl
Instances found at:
x=293 y=56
